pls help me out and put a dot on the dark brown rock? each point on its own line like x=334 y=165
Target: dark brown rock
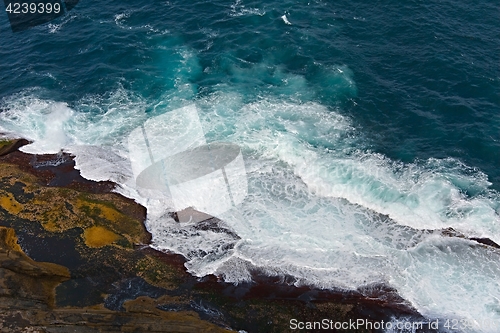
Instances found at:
x=7 y=147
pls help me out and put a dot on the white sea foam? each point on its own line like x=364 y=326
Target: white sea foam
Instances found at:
x=44 y=122
x=121 y=18
x=54 y=28
x=315 y=200
x=321 y=148
x=285 y=19
x=238 y=9
x=54 y=126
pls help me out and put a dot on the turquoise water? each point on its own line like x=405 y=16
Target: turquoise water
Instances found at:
x=344 y=111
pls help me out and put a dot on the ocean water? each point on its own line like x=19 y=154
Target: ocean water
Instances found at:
x=361 y=125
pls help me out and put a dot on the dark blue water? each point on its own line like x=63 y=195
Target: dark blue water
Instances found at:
x=427 y=74
x=407 y=91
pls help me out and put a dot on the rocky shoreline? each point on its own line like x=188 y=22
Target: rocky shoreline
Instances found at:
x=74 y=256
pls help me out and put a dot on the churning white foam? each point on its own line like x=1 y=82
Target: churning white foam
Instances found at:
x=285 y=19
x=239 y=9
x=44 y=122
x=54 y=126
x=323 y=149
x=320 y=206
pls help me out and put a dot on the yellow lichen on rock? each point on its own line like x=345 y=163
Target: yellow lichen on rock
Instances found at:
x=57 y=218
x=62 y=209
x=99 y=237
x=8 y=240
x=98 y=209
x=107 y=214
x=10 y=204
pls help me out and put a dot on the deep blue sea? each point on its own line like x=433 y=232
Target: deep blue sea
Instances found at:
x=361 y=124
